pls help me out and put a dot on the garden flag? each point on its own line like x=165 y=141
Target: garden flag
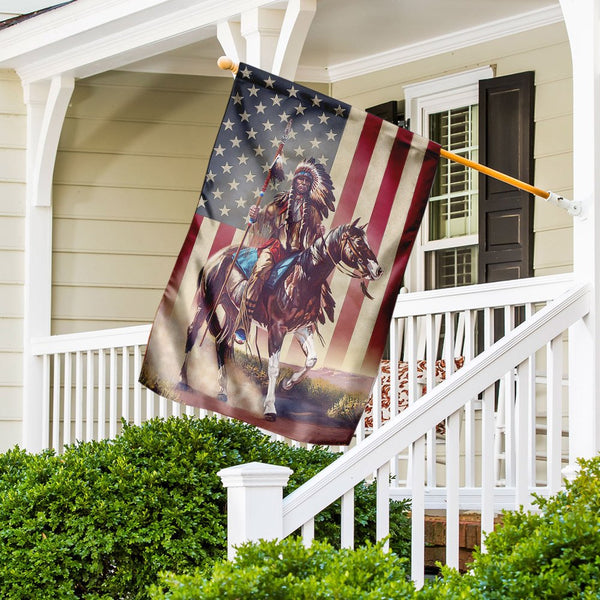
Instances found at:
x=278 y=307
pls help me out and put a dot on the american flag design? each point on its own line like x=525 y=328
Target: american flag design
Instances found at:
x=381 y=175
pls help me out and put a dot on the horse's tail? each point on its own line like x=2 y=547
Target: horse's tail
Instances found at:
x=200 y=314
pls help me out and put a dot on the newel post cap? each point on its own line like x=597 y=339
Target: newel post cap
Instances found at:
x=255 y=474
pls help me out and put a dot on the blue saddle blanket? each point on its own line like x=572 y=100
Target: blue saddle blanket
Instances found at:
x=247 y=258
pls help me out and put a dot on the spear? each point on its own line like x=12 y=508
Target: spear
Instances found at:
x=276 y=171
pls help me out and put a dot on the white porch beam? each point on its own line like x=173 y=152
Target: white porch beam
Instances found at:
x=582 y=18
x=229 y=34
x=296 y=23
x=46 y=107
x=85 y=39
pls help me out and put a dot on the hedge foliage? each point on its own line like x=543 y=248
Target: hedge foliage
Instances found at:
x=550 y=554
x=286 y=570
x=104 y=518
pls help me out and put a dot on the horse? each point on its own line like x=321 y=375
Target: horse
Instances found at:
x=293 y=304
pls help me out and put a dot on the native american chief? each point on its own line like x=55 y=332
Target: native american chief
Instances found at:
x=285 y=226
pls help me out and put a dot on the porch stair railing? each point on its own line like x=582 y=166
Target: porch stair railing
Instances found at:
x=505 y=410
x=514 y=352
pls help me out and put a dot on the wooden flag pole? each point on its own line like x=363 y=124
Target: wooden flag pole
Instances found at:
x=572 y=207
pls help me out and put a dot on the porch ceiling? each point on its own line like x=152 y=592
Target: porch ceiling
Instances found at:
x=91 y=36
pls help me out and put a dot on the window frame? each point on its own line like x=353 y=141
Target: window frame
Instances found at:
x=422 y=99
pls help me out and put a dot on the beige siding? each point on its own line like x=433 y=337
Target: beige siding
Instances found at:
x=12 y=213
x=130 y=165
x=545 y=51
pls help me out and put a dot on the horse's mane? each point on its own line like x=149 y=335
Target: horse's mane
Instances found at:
x=319 y=248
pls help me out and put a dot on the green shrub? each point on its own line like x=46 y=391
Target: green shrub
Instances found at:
x=551 y=554
x=287 y=570
x=102 y=519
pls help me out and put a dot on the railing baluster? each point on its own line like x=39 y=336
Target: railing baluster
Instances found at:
x=508 y=401
x=469 y=350
x=46 y=401
x=347 y=520
x=56 y=404
x=67 y=401
x=395 y=344
x=376 y=395
x=78 y=397
x=112 y=374
x=137 y=386
x=360 y=430
x=487 y=463
x=89 y=397
x=125 y=383
x=452 y=489
x=487 y=438
x=382 y=521
x=308 y=532
x=101 y=394
x=452 y=447
x=554 y=414
x=417 y=562
x=394 y=358
x=430 y=358
x=176 y=409
x=162 y=411
x=411 y=357
x=150 y=414
x=531 y=423
x=521 y=434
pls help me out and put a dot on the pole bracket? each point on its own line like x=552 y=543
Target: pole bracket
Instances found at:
x=573 y=207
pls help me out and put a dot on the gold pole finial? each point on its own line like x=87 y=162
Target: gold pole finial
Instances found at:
x=227 y=64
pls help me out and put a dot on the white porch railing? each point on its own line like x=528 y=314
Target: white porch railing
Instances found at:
x=504 y=412
x=91 y=384
x=461 y=471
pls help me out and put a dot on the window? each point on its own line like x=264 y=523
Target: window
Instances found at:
x=446 y=110
x=452 y=214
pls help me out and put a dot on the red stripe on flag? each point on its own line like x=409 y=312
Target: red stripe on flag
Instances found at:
x=377 y=224
x=411 y=228
x=389 y=185
x=223 y=237
x=357 y=171
x=181 y=265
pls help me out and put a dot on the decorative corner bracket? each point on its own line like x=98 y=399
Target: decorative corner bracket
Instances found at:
x=47 y=104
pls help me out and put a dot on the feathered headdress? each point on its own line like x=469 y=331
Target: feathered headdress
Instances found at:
x=321 y=188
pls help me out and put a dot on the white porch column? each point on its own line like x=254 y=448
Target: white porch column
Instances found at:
x=582 y=18
x=254 y=503
x=46 y=107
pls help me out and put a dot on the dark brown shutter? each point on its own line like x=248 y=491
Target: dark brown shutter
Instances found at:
x=506 y=144
x=388 y=111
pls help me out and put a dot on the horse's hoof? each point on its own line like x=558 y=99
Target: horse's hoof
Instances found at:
x=287 y=385
x=270 y=417
x=222 y=397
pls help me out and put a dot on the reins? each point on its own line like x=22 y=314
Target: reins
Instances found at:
x=339 y=264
